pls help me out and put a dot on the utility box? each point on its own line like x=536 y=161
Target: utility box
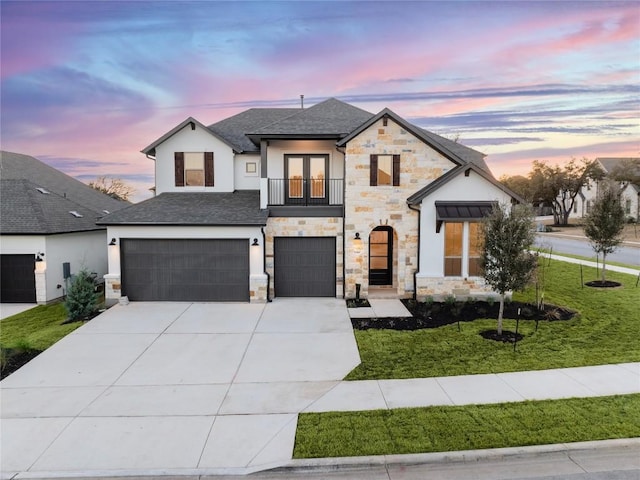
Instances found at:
x=66 y=270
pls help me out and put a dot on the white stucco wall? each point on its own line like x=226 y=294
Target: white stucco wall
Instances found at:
x=84 y=249
x=242 y=179
x=198 y=140
x=278 y=148
x=461 y=188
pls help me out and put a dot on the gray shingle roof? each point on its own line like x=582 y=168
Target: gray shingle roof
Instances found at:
x=610 y=163
x=234 y=129
x=241 y=207
x=25 y=210
x=330 y=117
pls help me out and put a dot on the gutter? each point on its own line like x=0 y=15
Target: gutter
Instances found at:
x=344 y=212
x=415 y=272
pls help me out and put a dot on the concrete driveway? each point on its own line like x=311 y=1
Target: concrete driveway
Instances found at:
x=175 y=387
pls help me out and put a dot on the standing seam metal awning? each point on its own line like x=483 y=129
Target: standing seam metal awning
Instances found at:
x=461 y=211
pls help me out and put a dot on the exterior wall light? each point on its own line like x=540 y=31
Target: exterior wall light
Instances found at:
x=113 y=242
x=357 y=238
x=39 y=256
x=255 y=243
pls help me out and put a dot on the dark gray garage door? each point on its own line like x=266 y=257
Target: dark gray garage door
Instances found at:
x=202 y=270
x=305 y=266
x=17 y=279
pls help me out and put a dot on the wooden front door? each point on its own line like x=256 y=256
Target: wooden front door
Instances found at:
x=381 y=256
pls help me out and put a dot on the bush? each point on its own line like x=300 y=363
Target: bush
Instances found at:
x=81 y=301
x=631 y=220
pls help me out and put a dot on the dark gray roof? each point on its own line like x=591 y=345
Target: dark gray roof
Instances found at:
x=241 y=207
x=463 y=211
x=469 y=155
x=27 y=210
x=610 y=163
x=234 y=129
x=417 y=197
x=328 y=118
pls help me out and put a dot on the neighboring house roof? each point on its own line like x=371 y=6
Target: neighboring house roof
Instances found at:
x=610 y=163
x=331 y=118
x=37 y=199
x=417 y=197
x=192 y=122
x=241 y=207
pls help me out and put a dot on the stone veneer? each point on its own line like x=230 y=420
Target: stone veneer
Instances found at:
x=303 y=227
x=439 y=288
x=367 y=207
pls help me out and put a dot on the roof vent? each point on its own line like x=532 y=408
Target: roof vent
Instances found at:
x=106 y=212
x=75 y=214
x=44 y=191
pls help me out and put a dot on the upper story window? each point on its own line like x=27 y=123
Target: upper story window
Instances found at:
x=384 y=170
x=194 y=169
x=627 y=206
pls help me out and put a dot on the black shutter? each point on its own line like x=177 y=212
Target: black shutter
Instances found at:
x=396 y=170
x=179 y=168
x=373 y=171
x=208 y=169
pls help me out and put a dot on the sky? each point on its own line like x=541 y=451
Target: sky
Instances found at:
x=85 y=85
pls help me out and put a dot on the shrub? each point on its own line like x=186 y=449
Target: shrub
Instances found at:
x=81 y=301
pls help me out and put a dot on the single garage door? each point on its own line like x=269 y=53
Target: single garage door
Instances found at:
x=193 y=270
x=17 y=279
x=305 y=266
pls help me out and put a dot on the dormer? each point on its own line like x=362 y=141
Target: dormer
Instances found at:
x=192 y=158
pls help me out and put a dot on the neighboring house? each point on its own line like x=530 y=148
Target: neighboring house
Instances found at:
x=304 y=202
x=48 y=229
x=630 y=195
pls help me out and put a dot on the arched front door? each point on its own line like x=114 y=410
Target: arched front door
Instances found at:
x=381 y=256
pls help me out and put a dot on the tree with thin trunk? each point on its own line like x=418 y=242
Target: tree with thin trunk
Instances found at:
x=507 y=263
x=605 y=222
x=114 y=187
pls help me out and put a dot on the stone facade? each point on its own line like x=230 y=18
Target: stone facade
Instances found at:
x=439 y=288
x=304 y=227
x=367 y=207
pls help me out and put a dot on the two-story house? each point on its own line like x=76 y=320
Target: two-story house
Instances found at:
x=304 y=202
x=629 y=196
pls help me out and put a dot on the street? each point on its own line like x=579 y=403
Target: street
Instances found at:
x=578 y=246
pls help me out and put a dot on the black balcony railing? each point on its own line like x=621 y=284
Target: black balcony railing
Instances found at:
x=305 y=191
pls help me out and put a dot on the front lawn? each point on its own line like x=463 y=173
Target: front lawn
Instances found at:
x=604 y=331
x=443 y=429
x=26 y=334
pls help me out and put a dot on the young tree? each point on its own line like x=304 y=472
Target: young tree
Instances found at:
x=505 y=258
x=81 y=299
x=114 y=187
x=559 y=186
x=604 y=224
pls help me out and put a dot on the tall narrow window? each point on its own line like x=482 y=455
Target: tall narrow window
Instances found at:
x=475 y=248
x=385 y=169
x=453 y=249
x=627 y=206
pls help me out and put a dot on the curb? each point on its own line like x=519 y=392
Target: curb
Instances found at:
x=462 y=456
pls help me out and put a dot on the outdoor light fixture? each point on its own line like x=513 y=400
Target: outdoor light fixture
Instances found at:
x=113 y=241
x=255 y=243
x=39 y=256
x=358 y=236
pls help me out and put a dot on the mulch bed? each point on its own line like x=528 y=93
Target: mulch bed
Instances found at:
x=14 y=358
x=601 y=284
x=438 y=314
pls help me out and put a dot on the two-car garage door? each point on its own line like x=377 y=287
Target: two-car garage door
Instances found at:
x=196 y=270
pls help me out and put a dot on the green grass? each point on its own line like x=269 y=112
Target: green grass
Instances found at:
x=605 y=331
x=37 y=328
x=442 y=429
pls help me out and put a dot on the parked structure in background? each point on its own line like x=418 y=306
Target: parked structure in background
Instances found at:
x=48 y=229
x=308 y=201
x=627 y=170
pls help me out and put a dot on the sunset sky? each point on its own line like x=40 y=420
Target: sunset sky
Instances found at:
x=87 y=84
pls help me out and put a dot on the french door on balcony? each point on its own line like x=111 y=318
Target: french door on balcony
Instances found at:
x=306 y=179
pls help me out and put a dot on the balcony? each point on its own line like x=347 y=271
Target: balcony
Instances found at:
x=305 y=191
x=306 y=197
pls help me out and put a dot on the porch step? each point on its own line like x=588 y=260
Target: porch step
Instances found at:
x=382 y=292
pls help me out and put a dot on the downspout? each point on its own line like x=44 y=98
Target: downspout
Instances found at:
x=264 y=261
x=415 y=272
x=344 y=209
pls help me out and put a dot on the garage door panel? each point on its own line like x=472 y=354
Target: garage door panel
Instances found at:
x=185 y=269
x=17 y=278
x=305 y=266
